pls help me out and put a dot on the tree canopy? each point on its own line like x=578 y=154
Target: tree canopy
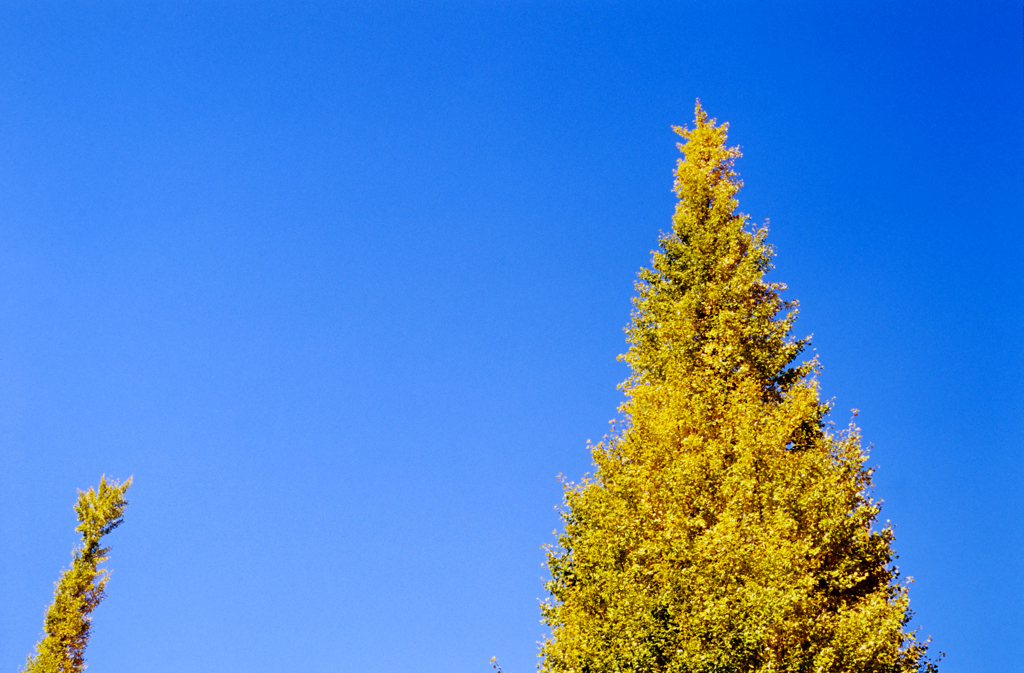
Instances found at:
x=728 y=526
x=83 y=586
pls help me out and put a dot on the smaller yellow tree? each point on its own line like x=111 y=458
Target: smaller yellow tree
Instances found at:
x=83 y=586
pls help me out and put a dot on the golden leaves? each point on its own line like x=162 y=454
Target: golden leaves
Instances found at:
x=83 y=586
x=726 y=526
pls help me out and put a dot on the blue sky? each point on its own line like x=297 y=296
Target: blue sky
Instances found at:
x=342 y=286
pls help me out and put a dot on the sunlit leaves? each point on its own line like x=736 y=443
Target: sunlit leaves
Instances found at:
x=727 y=526
x=83 y=586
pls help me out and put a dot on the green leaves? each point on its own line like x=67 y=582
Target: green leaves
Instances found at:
x=727 y=527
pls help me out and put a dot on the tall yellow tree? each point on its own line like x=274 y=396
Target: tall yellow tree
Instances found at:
x=81 y=587
x=727 y=526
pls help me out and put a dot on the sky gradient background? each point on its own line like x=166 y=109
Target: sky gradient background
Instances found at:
x=342 y=286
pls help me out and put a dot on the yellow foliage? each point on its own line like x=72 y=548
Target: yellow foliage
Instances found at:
x=83 y=586
x=727 y=526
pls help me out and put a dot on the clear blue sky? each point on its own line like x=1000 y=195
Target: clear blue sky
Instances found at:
x=342 y=286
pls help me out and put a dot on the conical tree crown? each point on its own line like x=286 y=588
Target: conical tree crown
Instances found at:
x=726 y=527
x=704 y=302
